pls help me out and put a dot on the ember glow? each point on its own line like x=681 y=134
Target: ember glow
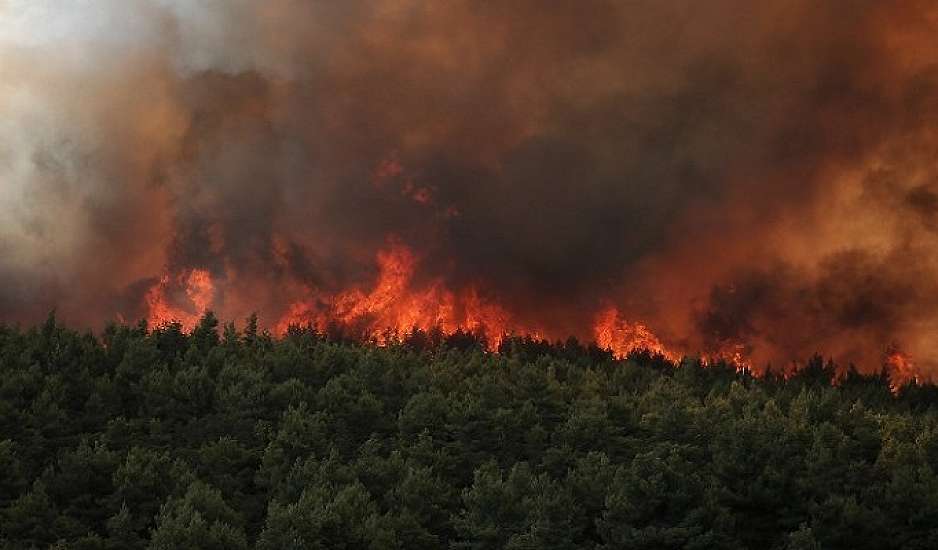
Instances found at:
x=752 y=182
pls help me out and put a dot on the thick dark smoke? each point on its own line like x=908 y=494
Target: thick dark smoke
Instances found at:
x=726 y=172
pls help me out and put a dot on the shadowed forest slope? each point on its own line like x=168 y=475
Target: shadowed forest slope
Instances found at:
x=228 y=439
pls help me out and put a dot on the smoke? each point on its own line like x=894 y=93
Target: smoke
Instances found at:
x=726 y=173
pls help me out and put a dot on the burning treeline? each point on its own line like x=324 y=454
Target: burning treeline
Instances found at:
x=752 y=180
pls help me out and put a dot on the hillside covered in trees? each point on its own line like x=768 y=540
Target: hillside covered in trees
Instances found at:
x=226 y=439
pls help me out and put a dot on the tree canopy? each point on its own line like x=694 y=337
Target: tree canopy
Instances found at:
x=227 y=439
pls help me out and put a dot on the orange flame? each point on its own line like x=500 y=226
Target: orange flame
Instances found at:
x=622 y=337
x=199 y=292
x=901 y=368
x=394 y=307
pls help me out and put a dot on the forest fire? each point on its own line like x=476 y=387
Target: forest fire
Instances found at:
x=465 y=274
x=751 y=191
x=394 y=307
x=901 y=369
x=623 y=338
x=196 y=297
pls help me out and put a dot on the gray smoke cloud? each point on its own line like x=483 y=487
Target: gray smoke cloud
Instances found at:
x=725 y=172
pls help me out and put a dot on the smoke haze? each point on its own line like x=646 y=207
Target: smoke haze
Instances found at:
x=758 y=175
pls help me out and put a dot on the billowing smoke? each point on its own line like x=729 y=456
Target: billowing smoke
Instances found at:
x=755 y=176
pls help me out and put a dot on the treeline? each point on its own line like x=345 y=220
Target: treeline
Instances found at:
x=226 y=439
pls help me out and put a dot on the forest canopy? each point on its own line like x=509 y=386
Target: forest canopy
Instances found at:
x=224 y=439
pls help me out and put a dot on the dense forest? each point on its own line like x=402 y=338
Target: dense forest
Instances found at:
x=228 y=439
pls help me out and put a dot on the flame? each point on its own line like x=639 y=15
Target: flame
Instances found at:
x=623 y=337
x=734 y=354
x=900 y=367
x=389 y=305
x=393 y=307
x=199 y=292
